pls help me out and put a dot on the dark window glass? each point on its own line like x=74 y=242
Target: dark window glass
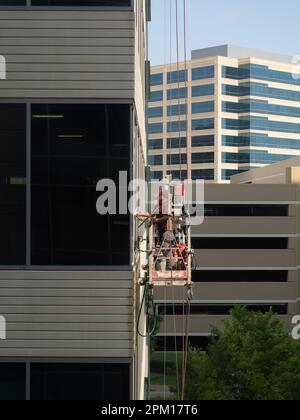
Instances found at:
x=156 y=79
x=240 y=243
x=12 y=2
x=260 y=210
x=206 y=174
x=176 y=159
x=177 y=76
x=203 y=141
x=155 y=144
x=106 y=3
x=71 y=382
x=155 y=112
x=208 y=157
x=168 y=343
x=155 y=128
x=176 y=110
x=219 y=309
x=204 y=90
x=260 y=140
x=239 y=276
x=155 y=160
x=176 y=143
x=181 y=175
x=254 y=156
x=12 y=184
x=156 y=175
x=235 y=73
x=12 y=381
x=176 y=93
x=156 y=96
x=176 y=126
x=73 y=147
x=203 y=73
x=203 y=124
x=203 y=107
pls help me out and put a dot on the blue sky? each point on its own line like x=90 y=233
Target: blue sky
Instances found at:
x=271 y=25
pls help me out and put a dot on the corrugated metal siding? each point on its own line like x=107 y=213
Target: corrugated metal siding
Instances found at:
x=67 y=54
x=67 y=313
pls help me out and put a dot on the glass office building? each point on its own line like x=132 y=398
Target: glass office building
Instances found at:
x=235 y=108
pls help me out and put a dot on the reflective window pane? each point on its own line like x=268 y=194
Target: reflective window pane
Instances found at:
x=82 y=382
x=12 y=184
x=12 y=2
x=104 y=3
x=12 y=381
x=73 y=147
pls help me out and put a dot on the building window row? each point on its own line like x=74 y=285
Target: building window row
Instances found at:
x=177 y=76
x=156 y=79
x=218 y=309
x=176 y=143
x=156 y=96
x=177 y=93
x=208 y=157
x=156 y=112
x=181 y=76
x=203 y=124
x=246 y=210
x=155 y=128
x=205 y=174
x=240 y=276
x=253 y=156
x=203 y=90
x=179 y=175
x=176 y=126
x=259 y=72
x=177 y=159
x=239 y=243
x=260 y=140
x=157 y=160
x=155 y=144
x=260 y=90
x=203 y=107
x=182 y=93
x=260 y=107
x=64 y=381
x=203 y=141
x=68 y=3
x=260 y=123
x=156 y=175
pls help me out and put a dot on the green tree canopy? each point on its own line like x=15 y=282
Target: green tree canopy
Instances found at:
x=253 y=358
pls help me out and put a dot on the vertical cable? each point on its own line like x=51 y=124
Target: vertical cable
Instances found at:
x=165 y=341
x=178 y=88
x=176 y=350
x=186 y=85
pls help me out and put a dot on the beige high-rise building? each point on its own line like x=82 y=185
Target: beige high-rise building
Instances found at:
x=235 y=108
x=247 y=251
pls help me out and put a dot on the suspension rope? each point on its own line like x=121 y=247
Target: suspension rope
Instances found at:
x=183 y=342
x=165 y=342
x=186 y=332
x=175 y=343
x=186 y=87
x=178 y=88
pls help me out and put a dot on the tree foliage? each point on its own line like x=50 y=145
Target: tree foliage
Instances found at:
x=253 y=358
